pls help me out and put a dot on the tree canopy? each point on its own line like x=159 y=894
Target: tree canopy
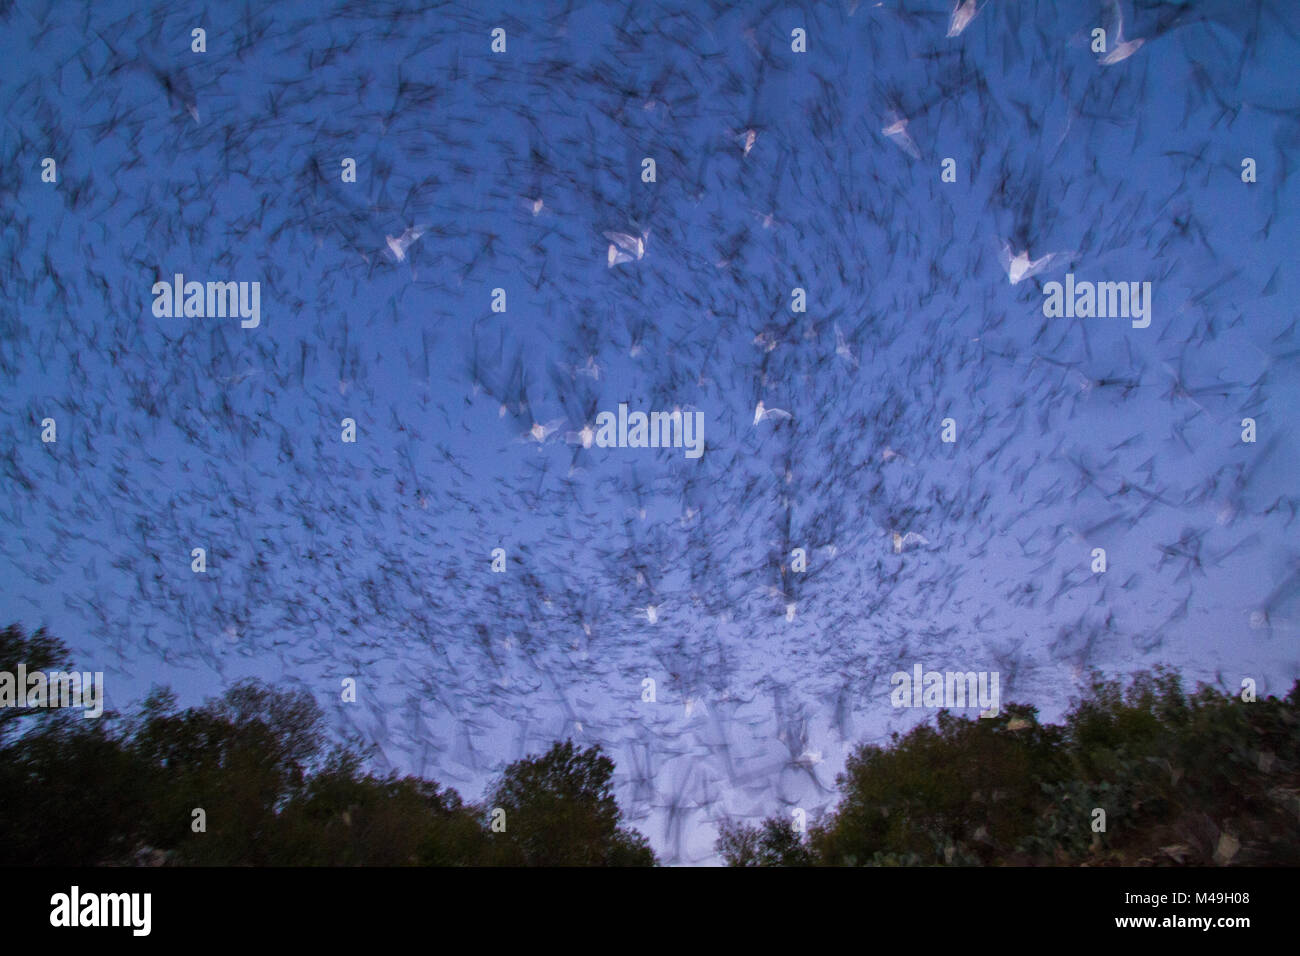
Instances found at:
x=1143 y=774
x=1137 y=773
x=245 y=779
x=559 y=810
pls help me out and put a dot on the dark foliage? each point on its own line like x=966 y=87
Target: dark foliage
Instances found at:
x=242 y=780
x=1195 y=779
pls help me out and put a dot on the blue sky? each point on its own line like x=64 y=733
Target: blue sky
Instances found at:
x=372 y=560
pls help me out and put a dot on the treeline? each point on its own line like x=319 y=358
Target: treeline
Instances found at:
x=1138 y=775
x=244 y=780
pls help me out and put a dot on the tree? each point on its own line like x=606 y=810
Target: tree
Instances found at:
x=560 y=811
x=70 y=795
x=76 y=792
x=963 y=790
x=345 y=817
x=774 y=843
x=55 y=774
x=37 y=652
x=1185 y=779
x=239 y=759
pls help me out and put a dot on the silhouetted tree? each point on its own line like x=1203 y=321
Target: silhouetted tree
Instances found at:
x=344 y=817
x=1201 y=778
x=239 y=759
x=773 y=843
x=1205 y=778
x=955 y=792
x=560 y=811
x=37 y=652
x=123 y=790
x=70 y=795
